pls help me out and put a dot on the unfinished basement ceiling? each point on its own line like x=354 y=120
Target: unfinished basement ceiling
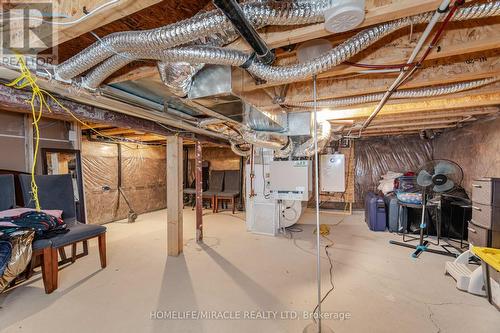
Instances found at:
x=456 y=83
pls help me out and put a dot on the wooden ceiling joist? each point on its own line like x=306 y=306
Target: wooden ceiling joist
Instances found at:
x=407 y=129
x=457 y=42
x=376 y=12
x=146 y=137
x=76 y=24
x=440 y=73
x=445 y=121
x=97 y=126
x=434 y=115
x=118 y=131
x=437 y=105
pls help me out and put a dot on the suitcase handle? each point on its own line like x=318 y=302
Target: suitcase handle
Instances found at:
x=476 y=208
x=472 y=230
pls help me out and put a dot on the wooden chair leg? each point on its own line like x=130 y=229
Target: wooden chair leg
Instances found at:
x=62 y=253
x=232 y=203
x=55 y=267
x=85 y=247
x=73 y=252
x=31 y=267
x=47 y=270
x=102 y=249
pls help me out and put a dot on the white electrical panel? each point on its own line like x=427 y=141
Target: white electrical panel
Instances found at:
x=291 y=180
x=332 y=173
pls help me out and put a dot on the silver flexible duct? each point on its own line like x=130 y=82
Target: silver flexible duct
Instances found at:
x=182 y=32
x=358 y=43
x=282 y=74
x=285 y=151
x=192 y=55
x=177 y=77
x=238 y=151
x=307 y=148
x=264 y=140
x=407 y=93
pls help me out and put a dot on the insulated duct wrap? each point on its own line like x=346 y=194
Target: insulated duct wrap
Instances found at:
x=307 y=148
x=182 y=32
x=408 y=93
x=264 y=140
x=192 y=55
x=280 y=74
x=238 y=151
x=358 y=43
x=177 y=77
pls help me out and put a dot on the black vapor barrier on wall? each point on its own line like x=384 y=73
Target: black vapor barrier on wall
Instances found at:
x=377 y=156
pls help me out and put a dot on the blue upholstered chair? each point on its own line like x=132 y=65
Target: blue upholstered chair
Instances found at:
x=7 y=192
x=56 y=192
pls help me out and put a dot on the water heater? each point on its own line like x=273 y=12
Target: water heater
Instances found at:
x=332 y=173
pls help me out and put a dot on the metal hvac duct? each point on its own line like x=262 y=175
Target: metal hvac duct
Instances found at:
x=182 y=32
x=307 y=148
x=407 y=93
x=235 y=14
x=280 y=74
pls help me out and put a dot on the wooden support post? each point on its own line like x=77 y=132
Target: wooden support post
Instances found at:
x=28 y=142
x=199 y=191
x=174 y=195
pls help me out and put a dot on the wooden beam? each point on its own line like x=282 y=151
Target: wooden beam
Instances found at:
x=174 y=196
x=141 y=72
x=405 y=118
x=408 y=129
x=199 y=191
x=376 y=12
x=15 y=100
x=74 y=11
x=118 y=131
x=392 y=133
x=145 y=137
x=466 y=38
x=441 y=72
x=432 y=122
x=97 y=126
x=414 y=107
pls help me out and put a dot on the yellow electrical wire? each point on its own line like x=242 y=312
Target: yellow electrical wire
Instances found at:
x=25 y=80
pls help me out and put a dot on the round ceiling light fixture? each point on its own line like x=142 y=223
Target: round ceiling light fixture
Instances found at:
x=344 y=15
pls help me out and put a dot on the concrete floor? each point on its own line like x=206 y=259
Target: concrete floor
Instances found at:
x=378 y=285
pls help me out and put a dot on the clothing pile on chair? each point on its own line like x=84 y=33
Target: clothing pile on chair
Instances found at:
x=18 y=228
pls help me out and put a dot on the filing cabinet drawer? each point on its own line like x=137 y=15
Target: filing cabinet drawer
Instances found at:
x=478 y=236
x=486 y=191
x=486 y=216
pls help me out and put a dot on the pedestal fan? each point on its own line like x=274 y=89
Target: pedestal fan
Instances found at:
x=434 y=178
